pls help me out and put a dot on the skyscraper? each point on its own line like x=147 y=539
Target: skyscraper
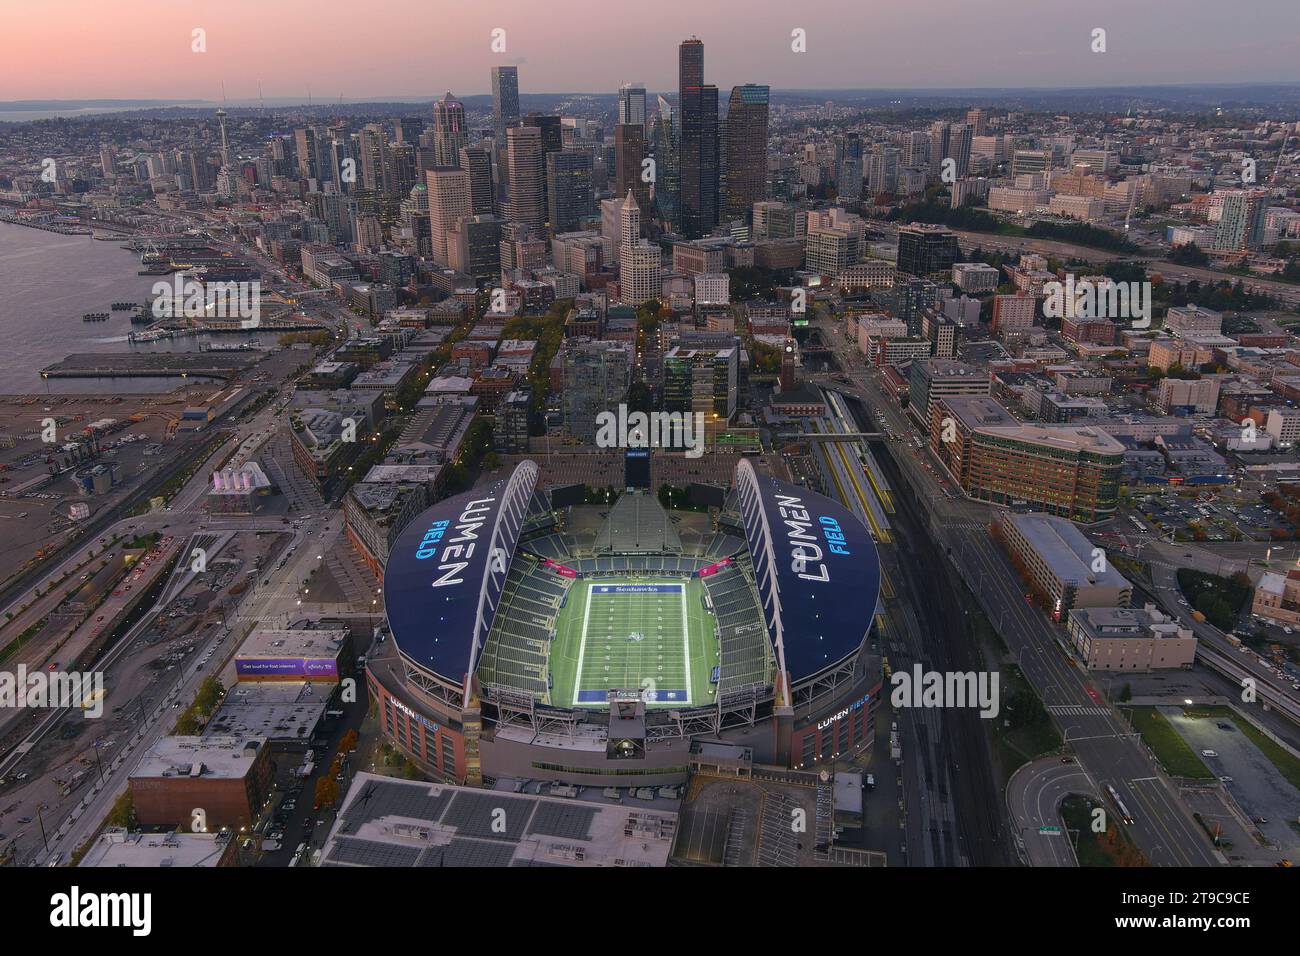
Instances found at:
x=698 y=202
x=552 y=130
x=939 y=150
x=850 y=167
x=526 y=168
x=959 y=141
x=631 y=104
x=505 y=99
x=690 y=64
x=478 y=163
x=629 y=154
x=568 y=188
x=449 y=202
x=639 y=262
x=744 y=150
x=666 y=139
x=449 y=131
x=1242 y=225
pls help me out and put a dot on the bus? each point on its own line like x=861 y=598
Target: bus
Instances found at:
x=1119 y=805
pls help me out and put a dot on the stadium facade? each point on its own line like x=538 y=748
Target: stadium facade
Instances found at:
x=511 y=654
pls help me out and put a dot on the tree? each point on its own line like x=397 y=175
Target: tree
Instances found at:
x=327 y=792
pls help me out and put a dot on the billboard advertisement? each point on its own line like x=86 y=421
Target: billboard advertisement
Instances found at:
x=287 y=668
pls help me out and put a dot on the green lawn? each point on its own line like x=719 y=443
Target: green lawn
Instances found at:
x=1287 y=763
x=1170 y=749
x=636 y=634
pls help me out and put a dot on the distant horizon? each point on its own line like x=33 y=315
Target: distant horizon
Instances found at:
x=282 y=100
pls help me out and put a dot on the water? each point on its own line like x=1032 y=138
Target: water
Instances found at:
x=47 y=282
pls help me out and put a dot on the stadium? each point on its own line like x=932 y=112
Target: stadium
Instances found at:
x=534 y=636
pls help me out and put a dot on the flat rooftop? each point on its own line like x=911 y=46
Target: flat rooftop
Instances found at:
x=1065 y=549
x=225 y=756
x=117 y=847
x=1087 y=438
x=276 y=710
x=294 y=642
x=389 y=822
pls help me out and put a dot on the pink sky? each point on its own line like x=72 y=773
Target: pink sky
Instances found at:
x=79 y=49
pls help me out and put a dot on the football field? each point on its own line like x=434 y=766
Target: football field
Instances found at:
x=651 y=636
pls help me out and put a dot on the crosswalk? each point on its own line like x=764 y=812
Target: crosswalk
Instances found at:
x=1077 y=710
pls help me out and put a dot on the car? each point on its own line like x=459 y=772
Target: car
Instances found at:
x=1067 y=760
x=1223 y=725
x=1208 y=753
x=1261 y=820
x=54 y=665
x=1226 y=779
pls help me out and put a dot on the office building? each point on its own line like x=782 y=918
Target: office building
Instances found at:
x=527 y=176
x=1130 y=639
x=596 y=375
x=927 y=251
x=698 y=152
x=744 y=151
x=568 y=189
x=1072 y=471
x=450 y=200
x=450 y=133
x=1060 y=564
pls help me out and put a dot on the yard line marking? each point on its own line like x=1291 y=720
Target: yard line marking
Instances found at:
x=686 y=643
x=582 y=645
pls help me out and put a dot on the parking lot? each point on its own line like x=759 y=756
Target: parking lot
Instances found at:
x=1268 y=800
x=1210 y=516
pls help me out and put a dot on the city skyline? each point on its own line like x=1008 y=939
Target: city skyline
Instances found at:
x=1143 y=47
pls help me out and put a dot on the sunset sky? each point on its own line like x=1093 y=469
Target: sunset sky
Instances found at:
x=79 y=49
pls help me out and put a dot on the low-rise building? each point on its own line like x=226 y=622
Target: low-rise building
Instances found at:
x=1061 y=564
x=1130 y=639
x=227 y=777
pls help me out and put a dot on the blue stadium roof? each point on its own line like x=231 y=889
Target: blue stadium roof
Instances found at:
x=817 y=570
x=446 y=569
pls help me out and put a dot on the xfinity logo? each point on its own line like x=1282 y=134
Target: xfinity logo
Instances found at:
x=75 y=909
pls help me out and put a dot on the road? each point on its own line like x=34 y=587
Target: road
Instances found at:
x=1104 y=745
x=1034 y=797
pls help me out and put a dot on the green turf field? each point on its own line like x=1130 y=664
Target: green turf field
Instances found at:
x=638 y=634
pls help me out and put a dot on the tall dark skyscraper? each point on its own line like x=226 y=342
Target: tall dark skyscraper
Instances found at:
x=690 y=64
x=505 y=99
x=629 y=153
x=744 y=151
x=698 y=158
x=568 y=188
